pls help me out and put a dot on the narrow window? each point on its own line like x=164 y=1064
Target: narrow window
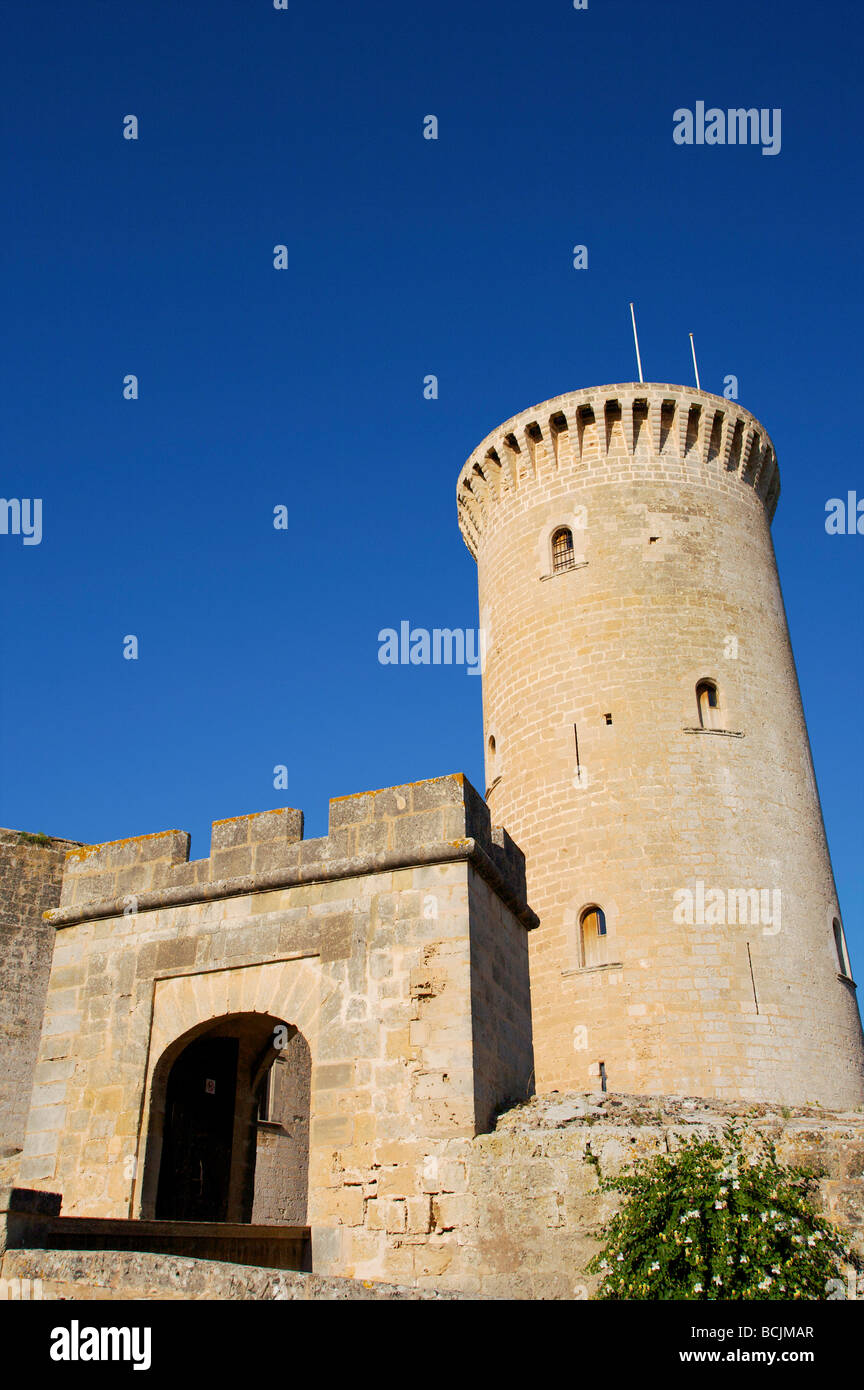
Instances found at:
x=840 y=948
x=708 y=699
x=563 y=557
x=592 y=923
x=265 y=1096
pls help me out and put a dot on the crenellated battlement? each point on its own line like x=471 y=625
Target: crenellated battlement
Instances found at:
x=578 y=434
x=436 y=820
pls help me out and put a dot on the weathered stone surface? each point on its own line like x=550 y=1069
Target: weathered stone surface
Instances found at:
x=535 y=1209
x=597 y=764
x=88 y=1274
x=405 y=987
x=31 y=869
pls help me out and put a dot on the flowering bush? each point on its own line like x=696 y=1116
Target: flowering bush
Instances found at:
x=711 y=1222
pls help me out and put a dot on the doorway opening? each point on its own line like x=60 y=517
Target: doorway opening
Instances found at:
x=228 y=1136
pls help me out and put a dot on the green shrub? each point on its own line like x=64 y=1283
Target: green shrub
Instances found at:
x=713 y=1222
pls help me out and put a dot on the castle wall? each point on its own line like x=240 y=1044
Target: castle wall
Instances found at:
x=396 y=946
x=31 y=869
x=602 y=772
x=516 y=1213
x=531 y=1211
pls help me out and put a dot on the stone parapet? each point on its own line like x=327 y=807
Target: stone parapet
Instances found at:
x=581 y=434
x=435 y=821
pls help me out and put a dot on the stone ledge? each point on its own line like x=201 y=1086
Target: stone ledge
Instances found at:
x=557 y=1109
x=723 y=733
x=443 y=852
x=108 y=1274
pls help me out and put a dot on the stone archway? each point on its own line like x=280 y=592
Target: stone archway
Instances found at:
x=253 y=1005
x=196 y=1156
x=206 y=1137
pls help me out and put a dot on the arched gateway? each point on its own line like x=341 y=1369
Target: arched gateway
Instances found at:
x=228 y=1136
x=224 y=1036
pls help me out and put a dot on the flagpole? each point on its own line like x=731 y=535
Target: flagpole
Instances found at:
x=636 y=341
x=695 y=367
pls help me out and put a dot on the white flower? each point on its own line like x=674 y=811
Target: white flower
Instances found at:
x=655 y=1266
x=736 y=1185
x=697 y=1288
x=717 y=1279
x=719 y=1205
x=620 y=1257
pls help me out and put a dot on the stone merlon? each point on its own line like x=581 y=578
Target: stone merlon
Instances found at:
x=428 y=822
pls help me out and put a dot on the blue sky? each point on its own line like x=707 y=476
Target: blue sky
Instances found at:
x=304 y=387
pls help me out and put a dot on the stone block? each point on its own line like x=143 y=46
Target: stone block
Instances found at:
x=350 y=810
x=451 y=1212
x=419 y=1214
x=284 y=824
x=336 y=1131
x=231 y=863
x=334 y=1075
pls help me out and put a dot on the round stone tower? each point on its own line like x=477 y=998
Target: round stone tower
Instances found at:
x=646 y=747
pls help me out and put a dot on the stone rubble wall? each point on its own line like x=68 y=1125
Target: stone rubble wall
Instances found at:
x=525 y=1206
x=31 y=868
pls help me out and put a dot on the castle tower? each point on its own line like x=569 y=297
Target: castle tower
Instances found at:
x=646 y=747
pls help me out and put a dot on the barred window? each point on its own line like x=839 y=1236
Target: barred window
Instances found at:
x=563 y=557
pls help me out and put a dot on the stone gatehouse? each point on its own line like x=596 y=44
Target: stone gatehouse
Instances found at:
x=289 y=1030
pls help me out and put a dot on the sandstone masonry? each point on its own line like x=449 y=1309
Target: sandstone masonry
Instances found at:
x=396 y=947
x=31 y=870
x=623 y=791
